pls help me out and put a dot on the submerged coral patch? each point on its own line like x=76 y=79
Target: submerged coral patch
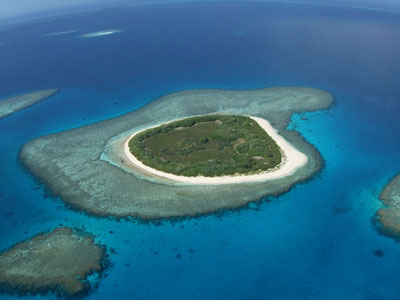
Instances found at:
x=59 y=262
x=389 y=216
x=87 y=169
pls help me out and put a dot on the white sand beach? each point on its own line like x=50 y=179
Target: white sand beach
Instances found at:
x=292 y=160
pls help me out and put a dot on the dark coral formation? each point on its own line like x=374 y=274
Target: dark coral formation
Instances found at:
x=389 y=216
x=58 y=262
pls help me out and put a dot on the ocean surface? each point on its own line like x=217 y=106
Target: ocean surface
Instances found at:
x=316 y=241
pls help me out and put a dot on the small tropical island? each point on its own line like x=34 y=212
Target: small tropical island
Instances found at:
x=213 y=149
x=14 y=104
x=389 y=215
x=56 y=262
x=91 y=168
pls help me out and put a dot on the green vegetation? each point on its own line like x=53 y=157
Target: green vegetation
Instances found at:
x=209 y=145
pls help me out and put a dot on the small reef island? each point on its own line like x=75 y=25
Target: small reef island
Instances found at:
x=14 y=104
x=389 y=216
x=213 y=149
x=93 y=170
x=56 y=262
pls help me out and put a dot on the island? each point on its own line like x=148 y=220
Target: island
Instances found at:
x=213 y=149
x=56 y=262
x=87 y=167
x=389 y=215
x=14 y=104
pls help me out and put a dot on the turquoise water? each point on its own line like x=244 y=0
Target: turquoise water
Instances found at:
x=315 y=242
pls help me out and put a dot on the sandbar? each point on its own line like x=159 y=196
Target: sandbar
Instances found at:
x=62 y=32
x=101 y=33
x=292 y=159
x=86 y=166
x=14 y=104
x=59 y=261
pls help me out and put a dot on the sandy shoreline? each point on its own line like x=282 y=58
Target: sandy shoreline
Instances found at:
x=292 y=160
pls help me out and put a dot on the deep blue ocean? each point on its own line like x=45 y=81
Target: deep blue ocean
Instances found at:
x=315 y=242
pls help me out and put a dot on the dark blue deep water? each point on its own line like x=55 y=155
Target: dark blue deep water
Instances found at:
x=315 y=242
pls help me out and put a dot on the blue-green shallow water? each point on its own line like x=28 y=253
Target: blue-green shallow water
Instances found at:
x=315 y=242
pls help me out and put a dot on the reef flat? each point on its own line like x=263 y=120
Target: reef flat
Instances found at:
x=83 y=166
x=389 y=216
x=17 y=103
x=58 y=262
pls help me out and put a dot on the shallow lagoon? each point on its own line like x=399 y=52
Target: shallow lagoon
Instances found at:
x=317 y=241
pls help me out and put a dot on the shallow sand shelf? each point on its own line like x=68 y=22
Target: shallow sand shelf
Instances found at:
x=85 y=168
x=58 y=262
x=20 y=102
